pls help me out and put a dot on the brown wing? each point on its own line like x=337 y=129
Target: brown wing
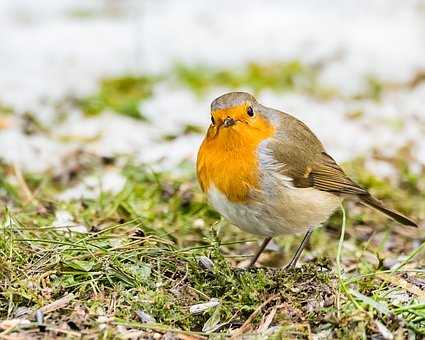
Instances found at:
x=300 y=156
x=303 y=158
x=327 y=175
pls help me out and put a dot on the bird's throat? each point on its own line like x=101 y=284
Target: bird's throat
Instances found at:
x=229 y=160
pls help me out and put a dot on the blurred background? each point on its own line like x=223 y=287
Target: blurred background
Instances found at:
x=137 y=77
x=103 y=105
x=89 y=87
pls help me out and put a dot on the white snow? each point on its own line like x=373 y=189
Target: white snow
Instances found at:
x=65 y=222
x=50 y=49
x=92 y=186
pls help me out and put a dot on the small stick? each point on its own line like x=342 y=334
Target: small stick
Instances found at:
x=58 y=304
x=26 y=192
x=268 y=320
x=28 y=196
x=246 y=324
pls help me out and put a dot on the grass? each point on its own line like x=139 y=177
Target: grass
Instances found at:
x=125 y=94
x=279 y=76
x=122 y=95
x=154 y=250
x=154 y=259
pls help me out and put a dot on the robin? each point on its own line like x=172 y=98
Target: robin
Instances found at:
x=266 y=172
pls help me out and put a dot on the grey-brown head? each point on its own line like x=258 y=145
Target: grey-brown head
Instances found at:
x=233 y=103
x=232 y=99
x=237 y=109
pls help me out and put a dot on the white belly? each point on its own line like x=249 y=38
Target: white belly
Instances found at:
x=287 y=210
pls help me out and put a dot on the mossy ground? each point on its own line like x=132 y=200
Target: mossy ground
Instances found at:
x=143 y=251
x=155 y=249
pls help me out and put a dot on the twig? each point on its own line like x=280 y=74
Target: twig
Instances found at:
x=26 y=192
x=58 y=304
x=267 y=321
x=248 y=321
x=158 y=328
x=28 y=196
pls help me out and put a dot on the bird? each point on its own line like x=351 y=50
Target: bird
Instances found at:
x=267 y=173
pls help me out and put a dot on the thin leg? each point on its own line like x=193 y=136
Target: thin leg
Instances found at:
x=300 y=249
x=259 y=251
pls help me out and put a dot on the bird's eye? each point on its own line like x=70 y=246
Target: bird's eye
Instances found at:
x=212 y=120
x=250 y=111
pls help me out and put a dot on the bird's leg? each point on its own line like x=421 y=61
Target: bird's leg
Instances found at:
x=300 y=249
x=259 y=251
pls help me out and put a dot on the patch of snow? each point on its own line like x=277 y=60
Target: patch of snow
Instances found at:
x=202 y=307
x=48 y=53
x=31 y=153
x=92 y=186
x=362 y=41
x=385 y=332
x=65 y=221
x=380 y=168
x=68 y=54
x=347 y=138
x=398 y=297
x=170 y=109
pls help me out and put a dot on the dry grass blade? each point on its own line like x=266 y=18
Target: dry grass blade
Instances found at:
x=27 y=196
x=58 y=304
x=396 y=280
x=246 y=325
x=267 y=320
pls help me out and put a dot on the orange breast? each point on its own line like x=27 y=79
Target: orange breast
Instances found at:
x=228 y=158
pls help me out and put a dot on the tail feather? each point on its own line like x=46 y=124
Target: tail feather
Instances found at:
x=371 y=201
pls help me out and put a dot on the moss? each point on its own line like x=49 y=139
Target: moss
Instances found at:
x=142 y=251
x=278 y=76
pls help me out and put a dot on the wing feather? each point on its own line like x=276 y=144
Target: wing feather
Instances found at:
x=306 y=161
x=327 y=175
x=301 y=157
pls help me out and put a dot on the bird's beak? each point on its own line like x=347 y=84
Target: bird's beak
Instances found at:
x=228 y=122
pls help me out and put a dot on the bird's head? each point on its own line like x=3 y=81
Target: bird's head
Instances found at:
x=238 y=114
x=228 y=155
